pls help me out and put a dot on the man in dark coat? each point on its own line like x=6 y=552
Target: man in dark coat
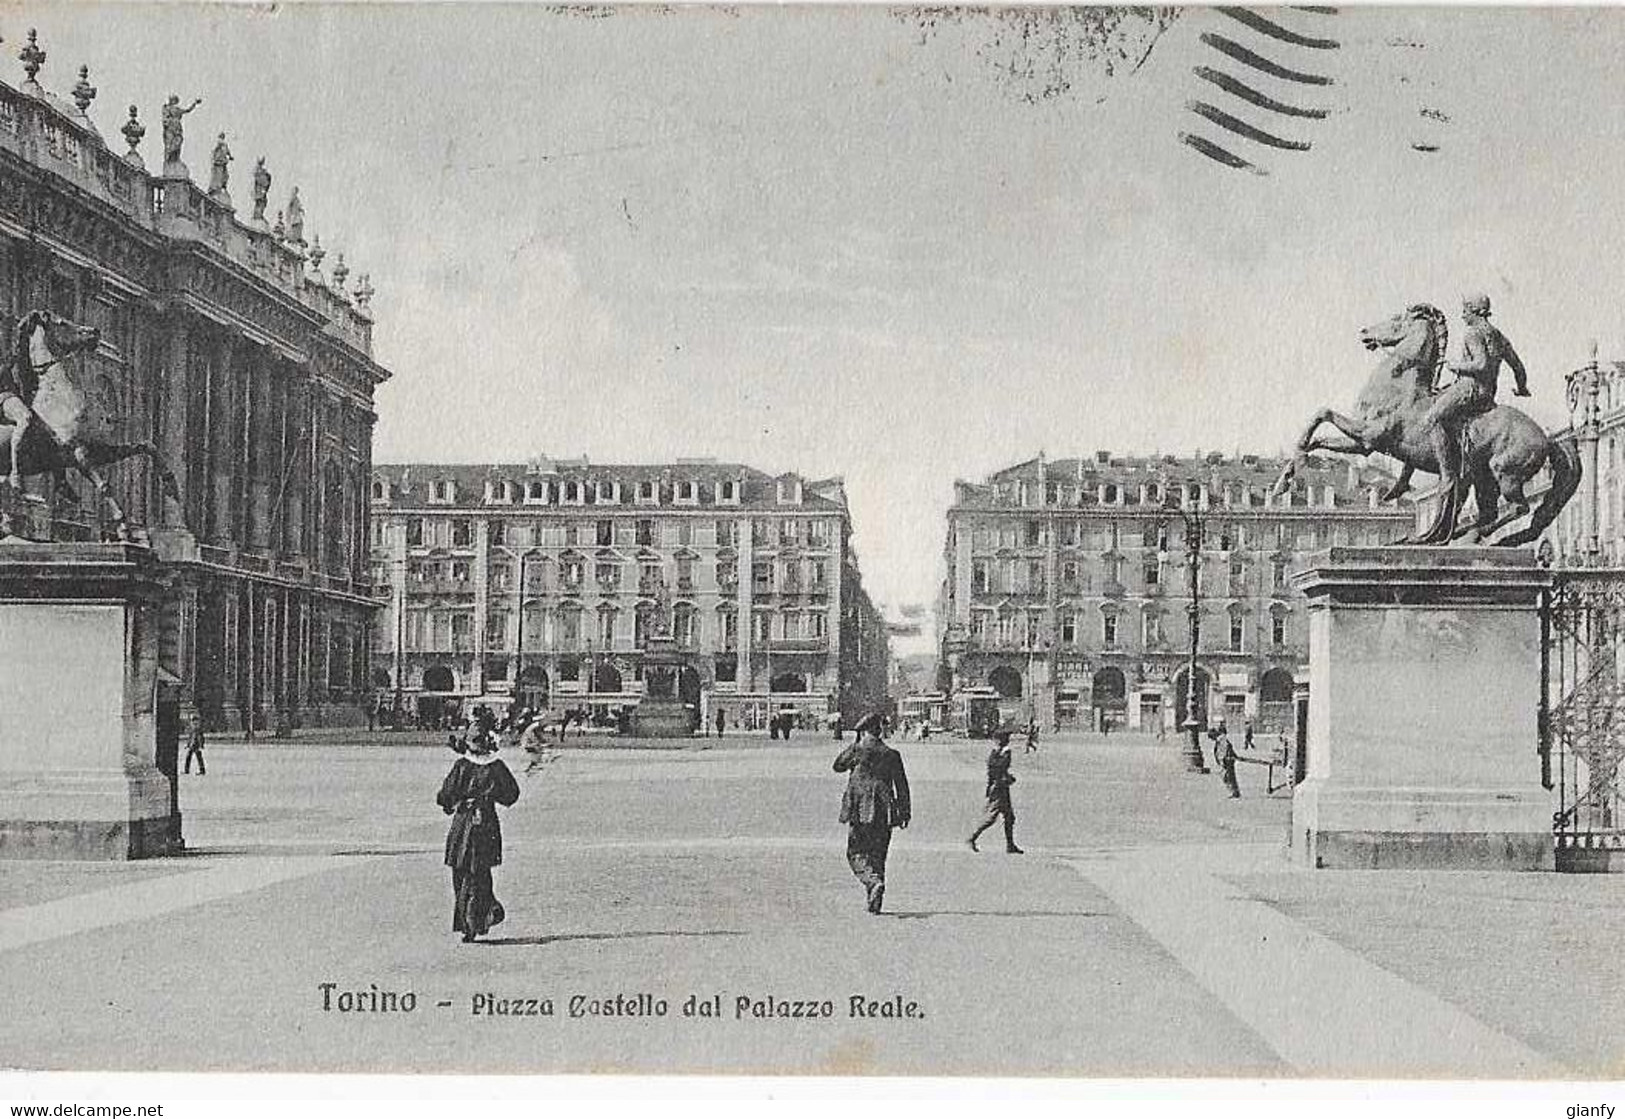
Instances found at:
x=194 y=747
x=999 y=780
x=876 y=801
x=477 y=783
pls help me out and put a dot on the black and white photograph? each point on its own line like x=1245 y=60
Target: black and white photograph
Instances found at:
x=832 y=542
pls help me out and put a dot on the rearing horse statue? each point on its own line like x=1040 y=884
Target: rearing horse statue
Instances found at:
x=70 y=428
x=1503 y=447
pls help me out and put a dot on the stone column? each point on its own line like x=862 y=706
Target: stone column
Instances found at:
x=1423 y=704
x=482 y=603
x=745 y=553
x=1584 y=385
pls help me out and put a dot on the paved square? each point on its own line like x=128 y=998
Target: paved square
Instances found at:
x=1150 y=930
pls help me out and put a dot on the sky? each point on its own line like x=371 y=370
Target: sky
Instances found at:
x=895 y=247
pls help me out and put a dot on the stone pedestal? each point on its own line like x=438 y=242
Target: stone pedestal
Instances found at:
x=660 y=713
x=1423 y=706
x=78 y=724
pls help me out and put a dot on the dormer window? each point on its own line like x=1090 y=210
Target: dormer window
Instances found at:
x=727 y=493
x=789 y=491
x=442 y=492
x=573 y=493
x=648 y=492
x=535 y=493
x=499 y=493
x=688 y=493
x=378 y=491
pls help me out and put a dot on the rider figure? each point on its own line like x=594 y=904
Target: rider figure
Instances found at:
x=18 y=383
x=1483 y=348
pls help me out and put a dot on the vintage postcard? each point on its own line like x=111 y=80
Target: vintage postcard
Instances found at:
x=841 y=540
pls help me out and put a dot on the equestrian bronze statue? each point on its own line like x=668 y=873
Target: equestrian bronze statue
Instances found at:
x=1502 y=448
x=62 y=425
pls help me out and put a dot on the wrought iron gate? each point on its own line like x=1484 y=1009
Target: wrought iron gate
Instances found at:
x=1583 y=715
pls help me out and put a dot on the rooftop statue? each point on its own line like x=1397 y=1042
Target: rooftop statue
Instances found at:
x=262 y=190
x=1397 y=414
x=174 y=132
x=219 y=172
x=296 y=219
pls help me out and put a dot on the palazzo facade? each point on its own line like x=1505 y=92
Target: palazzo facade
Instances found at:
x=1068 y=584
x=543 y=583
x=225 y=344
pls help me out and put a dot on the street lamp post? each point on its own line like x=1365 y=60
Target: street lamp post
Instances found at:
x=1195 y=762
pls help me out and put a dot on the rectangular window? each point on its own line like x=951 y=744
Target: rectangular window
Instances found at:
x=574 y=573
x=1069 y=629
x=685 y=574
x=726 y=537
x=605 y=533
x=1153 y=629
x=462 y=533
x=685 y=531
x=606 y=629
x=978 y=625
x=414 y=532
x=1153 y=573
x=459 y=571
x=501 y=577
x=570 y=628
x=819 y=576
x=727 y=574
x=608 y=574
x=497 y=531
x=979 y=577
x=1033 y=534
x=1237 y=633
x=1069 y=575
x=646 y=533
x=1108 y=630
x=761 y=575
x=1278 y=630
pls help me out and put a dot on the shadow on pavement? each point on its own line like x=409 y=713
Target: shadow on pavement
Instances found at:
x=559 y=938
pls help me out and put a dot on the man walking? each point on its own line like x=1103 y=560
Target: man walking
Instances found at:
x=999 y=780
x=194 y=746
x=1224 y=752
x=876 y=800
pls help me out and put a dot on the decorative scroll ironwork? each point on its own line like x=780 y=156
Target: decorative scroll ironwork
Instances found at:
x=1583 y=714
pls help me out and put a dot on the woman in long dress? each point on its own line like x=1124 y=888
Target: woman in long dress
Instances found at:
x=477 y=783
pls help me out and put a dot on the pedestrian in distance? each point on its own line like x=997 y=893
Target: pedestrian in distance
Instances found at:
x=999 y=780
x=722 y=721
x=479 y=781
x=1224 y=752
x=194 y=746
x=1032 y=737
x=876 y=801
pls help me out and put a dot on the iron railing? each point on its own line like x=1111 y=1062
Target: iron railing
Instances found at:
x=1582 y=723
